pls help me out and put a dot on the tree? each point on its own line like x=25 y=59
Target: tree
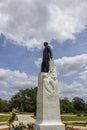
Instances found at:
x=1 y=105
x=4 y=106
x=85 y=107
x=66 y=106
x=79 y=104
x=26 y=98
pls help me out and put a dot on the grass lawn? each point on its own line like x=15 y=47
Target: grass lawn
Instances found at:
x=73 y=118
x=63 y=117
x=3 y=118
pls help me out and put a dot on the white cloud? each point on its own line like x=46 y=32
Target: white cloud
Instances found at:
x=69 y=65
x=30 y=22
x=83 y=75
x=38 y=62
x=15 y=80
x=72 y=90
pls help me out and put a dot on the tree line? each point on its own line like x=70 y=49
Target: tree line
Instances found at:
x=25 y=101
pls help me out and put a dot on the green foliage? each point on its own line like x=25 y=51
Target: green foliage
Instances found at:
x=21 y=108
x=4 y=106
x=86 y=108
x=25 y=100
x=79 y=104
x=12 y=116
x=66 y=106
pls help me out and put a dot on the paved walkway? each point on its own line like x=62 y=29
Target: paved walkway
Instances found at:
x=2 y=114
x=25 y=119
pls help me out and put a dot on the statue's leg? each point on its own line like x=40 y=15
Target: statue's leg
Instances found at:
x=43 y=67
x=47 y=65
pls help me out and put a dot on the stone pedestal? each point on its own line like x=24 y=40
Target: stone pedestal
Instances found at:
x=48 y=108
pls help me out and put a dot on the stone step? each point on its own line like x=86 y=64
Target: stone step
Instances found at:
x=4 y=127
x=3 y=123
x=77 y=127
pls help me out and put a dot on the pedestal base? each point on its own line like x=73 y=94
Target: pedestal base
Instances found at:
x=49 y=126
x=48 y=107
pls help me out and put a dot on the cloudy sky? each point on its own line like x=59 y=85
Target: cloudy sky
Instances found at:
x=24 y=26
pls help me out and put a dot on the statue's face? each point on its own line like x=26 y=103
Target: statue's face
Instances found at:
x=45 y=43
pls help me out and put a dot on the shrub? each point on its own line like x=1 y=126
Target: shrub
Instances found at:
x=78 y=114
x=85 y=114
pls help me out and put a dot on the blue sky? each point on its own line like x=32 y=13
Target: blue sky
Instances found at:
x=25 y=25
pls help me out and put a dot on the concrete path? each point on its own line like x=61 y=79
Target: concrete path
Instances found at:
x=2 y=114
x=25 y=119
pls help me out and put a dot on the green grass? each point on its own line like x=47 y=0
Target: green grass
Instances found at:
x=63 y=117
x=3 y=118
x=73 y=118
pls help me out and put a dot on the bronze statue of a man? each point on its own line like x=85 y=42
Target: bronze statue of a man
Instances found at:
x=47 y=55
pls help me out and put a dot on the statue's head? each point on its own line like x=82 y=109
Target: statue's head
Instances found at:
x=45 y=43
